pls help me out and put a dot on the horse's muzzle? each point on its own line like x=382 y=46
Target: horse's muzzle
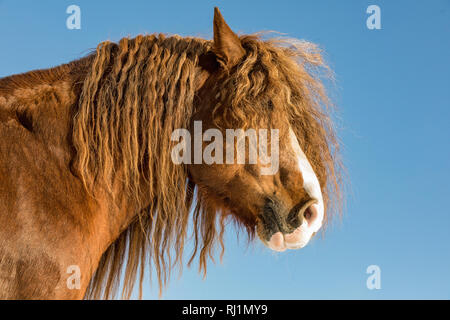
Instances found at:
x=293 y=230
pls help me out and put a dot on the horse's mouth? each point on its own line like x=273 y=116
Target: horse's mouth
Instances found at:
x=296 y=239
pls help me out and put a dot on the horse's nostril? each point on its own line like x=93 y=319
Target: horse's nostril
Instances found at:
x=274 y=219
x=310 y=214
x=301 y=213
x=307 y=214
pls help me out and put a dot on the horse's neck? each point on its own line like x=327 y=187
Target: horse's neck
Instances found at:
x=40 y=107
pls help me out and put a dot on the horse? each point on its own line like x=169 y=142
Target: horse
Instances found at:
x=90 y=194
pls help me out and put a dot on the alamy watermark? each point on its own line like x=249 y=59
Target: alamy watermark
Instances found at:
x=74 y=278
x=74 y=20
x=374 y=280
x=235 y=140
x=374 y=20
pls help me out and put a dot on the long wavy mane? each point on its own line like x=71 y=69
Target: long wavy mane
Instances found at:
x=136 y=93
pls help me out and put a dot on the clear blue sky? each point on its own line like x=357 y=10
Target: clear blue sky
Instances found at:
x=393 y=92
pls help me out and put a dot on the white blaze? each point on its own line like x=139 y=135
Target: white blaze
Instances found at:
x=310 y=183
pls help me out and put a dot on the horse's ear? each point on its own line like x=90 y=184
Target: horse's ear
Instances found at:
x=227 y=46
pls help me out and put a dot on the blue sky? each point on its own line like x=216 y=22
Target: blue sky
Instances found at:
x=393 y=93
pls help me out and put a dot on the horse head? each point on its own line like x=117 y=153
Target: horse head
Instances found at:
x=252 y=90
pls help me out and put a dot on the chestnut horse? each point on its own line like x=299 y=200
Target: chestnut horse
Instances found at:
x=88 y=185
